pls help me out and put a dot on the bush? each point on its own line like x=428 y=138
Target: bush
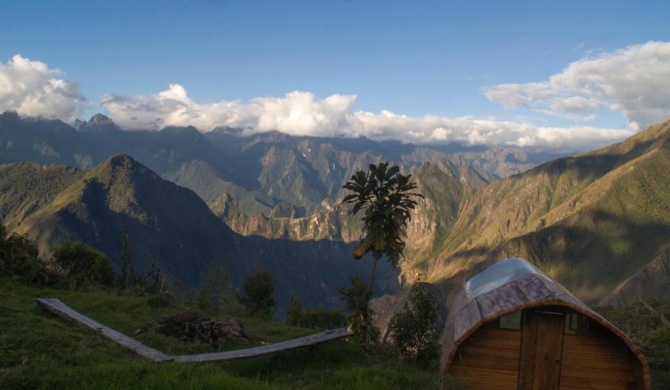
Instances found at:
x=318 y=318
x=215 y=290
x=19 y=256
x=257 y=293
x=83 y=265
x=412 y=329
x=357 y=298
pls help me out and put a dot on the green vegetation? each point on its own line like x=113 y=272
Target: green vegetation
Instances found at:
x=257 y=293
x=648 y=325
x=18 y=256
x=412 y=329
x=357 y=298
x=83 y=265
x=41 y=351
x=385 y=197
x=319 y=318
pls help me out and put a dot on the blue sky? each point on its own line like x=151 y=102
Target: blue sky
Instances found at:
x=541 y=74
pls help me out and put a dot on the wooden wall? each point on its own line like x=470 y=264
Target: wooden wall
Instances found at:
x=598 y=361
x=488 y=359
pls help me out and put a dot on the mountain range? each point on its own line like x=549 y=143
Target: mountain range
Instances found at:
x=598 y=222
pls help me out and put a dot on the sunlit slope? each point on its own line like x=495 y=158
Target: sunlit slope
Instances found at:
x=591 y=220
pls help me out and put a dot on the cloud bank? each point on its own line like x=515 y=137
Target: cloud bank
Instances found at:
x=31 y=88
x=634 y=81
x=301 y=113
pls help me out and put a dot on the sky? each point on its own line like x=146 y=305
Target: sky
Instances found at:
x=557 y=76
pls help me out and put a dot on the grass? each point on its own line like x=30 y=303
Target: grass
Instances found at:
x=42 y=351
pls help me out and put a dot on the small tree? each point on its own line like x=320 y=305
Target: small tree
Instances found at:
x=127 y=272
x=258 y=289
x=83 y=265
x=387 y=198
x=19 y=256
x=358 y=303
x=296 y=312
x=412 y=329
x=215 y=290
x=314 y=318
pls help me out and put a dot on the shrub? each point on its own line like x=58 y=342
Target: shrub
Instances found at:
x=318 y=318
x=295 y=312
x=83 y=265
x=215 y=290
x=360 y=315
x=412 y=329
x=19 y=256
x=257 y=293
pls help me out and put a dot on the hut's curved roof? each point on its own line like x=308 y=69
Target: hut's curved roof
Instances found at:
x=506 y=287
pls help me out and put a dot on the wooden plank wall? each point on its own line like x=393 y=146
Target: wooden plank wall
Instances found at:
x=597 y=362
x=489 y=359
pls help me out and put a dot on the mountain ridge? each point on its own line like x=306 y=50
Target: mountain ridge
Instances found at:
x=592 y=221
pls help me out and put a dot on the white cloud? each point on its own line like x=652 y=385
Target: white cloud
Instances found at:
x=301 y=113
x=31 y=88
x=297 y=113
x=634 y=81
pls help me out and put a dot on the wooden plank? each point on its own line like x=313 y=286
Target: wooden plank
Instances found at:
x=494 y=349
x=485 y=378
x=57 y=307
x=569 y=383
x=541 y=347
x=266 y=349
x=598 y=359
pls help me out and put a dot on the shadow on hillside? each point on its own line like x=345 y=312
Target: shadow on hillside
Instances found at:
x=315 y=269
x=591 y=255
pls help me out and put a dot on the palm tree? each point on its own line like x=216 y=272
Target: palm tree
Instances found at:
x=386 y=198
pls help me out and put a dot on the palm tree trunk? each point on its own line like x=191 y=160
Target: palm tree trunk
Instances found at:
x=375 y=260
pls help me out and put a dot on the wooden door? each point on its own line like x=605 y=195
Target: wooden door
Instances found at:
x=541 y=350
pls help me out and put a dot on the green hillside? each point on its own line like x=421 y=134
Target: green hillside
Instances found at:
x=171 y=227
x=41 y=351
x=591 y=221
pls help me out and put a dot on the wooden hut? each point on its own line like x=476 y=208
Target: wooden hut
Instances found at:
x=513 y=327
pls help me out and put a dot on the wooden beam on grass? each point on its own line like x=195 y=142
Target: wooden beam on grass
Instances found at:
x=57 y=307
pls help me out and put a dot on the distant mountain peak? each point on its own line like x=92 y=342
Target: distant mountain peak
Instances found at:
x=97 y=123
x=99 y=119
x=121 y=159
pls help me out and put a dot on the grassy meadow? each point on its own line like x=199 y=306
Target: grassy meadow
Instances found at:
x=42 y=351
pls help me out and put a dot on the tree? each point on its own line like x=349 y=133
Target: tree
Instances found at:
x=215 y=290
x=83 y=265
x=358 y=303
x=258 y=289
x=19 y=256
x=412 y=329
x=127 y=273
x=386 y=197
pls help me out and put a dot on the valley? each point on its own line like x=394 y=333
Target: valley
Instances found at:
x=597 y=222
